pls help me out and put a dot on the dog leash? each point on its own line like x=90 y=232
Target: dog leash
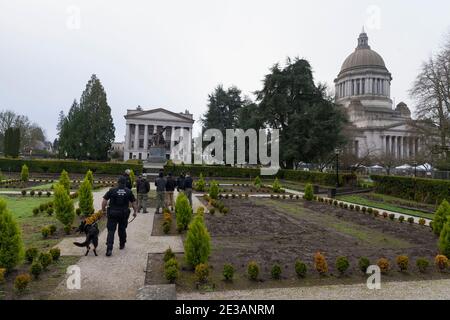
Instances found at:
x=131 y=220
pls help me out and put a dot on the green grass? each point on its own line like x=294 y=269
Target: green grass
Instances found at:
x=360 y=200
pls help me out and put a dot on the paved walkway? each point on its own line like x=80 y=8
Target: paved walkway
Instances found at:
x=119 y=276
x=414 y=290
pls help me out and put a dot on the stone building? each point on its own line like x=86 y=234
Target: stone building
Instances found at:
x=142 y=125
x=363 y=88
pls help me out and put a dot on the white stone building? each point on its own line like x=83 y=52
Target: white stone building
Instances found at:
x=363 y=87
x=142 y=125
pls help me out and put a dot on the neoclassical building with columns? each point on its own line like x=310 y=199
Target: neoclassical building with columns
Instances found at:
x=142 y=126
x=363 y=88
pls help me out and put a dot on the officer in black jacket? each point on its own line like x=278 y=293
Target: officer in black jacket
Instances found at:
x=118 y=212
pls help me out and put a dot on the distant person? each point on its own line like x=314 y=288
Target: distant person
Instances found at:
x=160 y=184
x=127 y=177
x=118 y=200
x=142 y=189
x=188 y=187
x=180 y=183
x=170 y=188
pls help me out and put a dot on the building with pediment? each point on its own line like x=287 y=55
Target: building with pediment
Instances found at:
x=363 y=88
x=143 y=125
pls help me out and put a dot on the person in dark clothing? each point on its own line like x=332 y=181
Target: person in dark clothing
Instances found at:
x=188 y=187
x=160 y=184
x=170 y=188
x=142 y=188
x=118 y=212
x=127 y=177
x=180 y=182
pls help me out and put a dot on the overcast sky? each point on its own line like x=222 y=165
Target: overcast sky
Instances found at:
x=171 y=54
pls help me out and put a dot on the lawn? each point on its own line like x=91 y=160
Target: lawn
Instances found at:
x=389 y=203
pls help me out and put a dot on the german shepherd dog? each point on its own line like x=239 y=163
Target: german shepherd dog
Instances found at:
x=92 y=232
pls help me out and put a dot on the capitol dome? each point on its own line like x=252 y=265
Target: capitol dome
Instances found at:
x=363 y=56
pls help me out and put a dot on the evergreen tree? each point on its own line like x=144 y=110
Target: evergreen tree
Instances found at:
x=197 y=246
x=444 y=239
x=11 y=244
x=183 y=212
x=440 y=217
x=12 y=142
x=86 y=199
x=88 y=130
x=64 y=180
x=24 y=174
x=64 y=208
x=90 y=177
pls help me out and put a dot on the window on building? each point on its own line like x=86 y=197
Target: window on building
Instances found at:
x=141 y=143
x=130 y=155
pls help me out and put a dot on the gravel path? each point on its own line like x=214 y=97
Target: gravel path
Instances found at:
x=119 y=276
x=415 y=290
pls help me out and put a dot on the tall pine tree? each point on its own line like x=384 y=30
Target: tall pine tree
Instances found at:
x=87 y=132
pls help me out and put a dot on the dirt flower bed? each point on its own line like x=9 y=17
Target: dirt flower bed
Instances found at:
x=277 y=231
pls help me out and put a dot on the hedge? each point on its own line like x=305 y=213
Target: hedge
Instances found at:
x=326 y=179
x=430 y=191
x=71 y=166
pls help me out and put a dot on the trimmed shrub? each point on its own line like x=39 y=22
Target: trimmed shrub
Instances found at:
x=214 y=190
x=422 y=264
x=168 y=254
x=212 y=210
x=90 y=177
x=369 y=210
x=64 y=180
x=45 y=231
x=35 y=211
x=444 y=239
x=253 y=270
x=172 y=273
x=440 y=217
x=410 y=220
x=86 y=199
x=11 y=244
x=401 y=219
x=197 y=246
x=357 y=208
x=441 y=262
x=417 y=189
x=309 y=194
x=52 y=229
x=300 y=269
x=363 y=264
x=342 y=264
x=392 y=216
x=24 y=192
x=384 y=265
x=276 y=272
x=63 y=206
x=45 y=259
x=55 y=253
x=183 y=211
x=50 y=211
x=36 y=269
x=202 y=272
x=21 y=282
x=31 y=254
x=228 y=272
x=2 y=275
x=200 y=184
x=363 y=209
x=402 y=263
x=320 y=263
x=257 y=182
x=32 y=193
x=24 y=174
x=276 y=186
x=422 y=221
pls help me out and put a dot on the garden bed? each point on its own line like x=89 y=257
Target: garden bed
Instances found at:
x=272 y=231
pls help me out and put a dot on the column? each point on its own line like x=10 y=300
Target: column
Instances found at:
x=145 y=141
x=393 y=146
x=416 y=146
x=127 y=137
x=136 y=137
x=383 y=144
x=387 y=150
x=400 y=148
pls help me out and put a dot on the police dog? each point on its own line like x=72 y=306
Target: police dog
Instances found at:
x=92 y=232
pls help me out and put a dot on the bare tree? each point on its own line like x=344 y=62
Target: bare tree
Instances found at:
x=388 y=161
x=431 y=91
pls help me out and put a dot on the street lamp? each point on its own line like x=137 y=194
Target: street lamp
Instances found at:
x=415 y=169
x=337 y=151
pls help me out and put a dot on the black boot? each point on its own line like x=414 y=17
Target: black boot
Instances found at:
x=122 y=246
x=108 y=252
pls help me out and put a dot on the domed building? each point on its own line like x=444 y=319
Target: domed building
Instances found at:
x=363 y=88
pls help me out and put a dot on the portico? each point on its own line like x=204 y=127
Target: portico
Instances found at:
x=142 y=126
